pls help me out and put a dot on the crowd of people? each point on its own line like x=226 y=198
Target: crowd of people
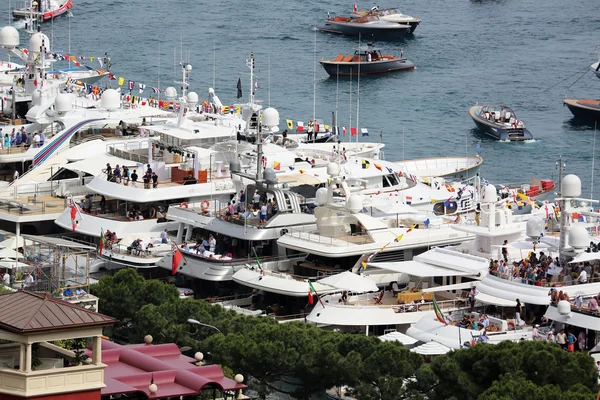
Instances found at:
x=21 y=139
x=260 y=206
x=122 y=175
x=533 y=270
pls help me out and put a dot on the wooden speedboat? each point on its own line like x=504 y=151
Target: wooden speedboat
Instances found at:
x=584 y=109
x=391 y=15
x=366 y=60
x=499 y=122
x=369 y=27
x=43 y=10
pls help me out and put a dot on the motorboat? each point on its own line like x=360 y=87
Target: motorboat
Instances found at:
x=453 y=167
x=499 y=122
x=368 y=27
x=390 y=15
x=42 y=10
x=585 y=109
x=595 y=67
x=365 y=61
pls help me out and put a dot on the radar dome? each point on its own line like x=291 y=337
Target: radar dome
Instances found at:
x=63 y=103
x=36 y=98
x=571 y=186
x=188 y=67
x=110 y=100
x=270 y=117
x=333 y=169
x=211 y=90
x=192 y=98
x=9 y=37
x=579 y=237
x=171 y=93
x=354 y=204
x=38 y=40
x=269 y=175
x=321 y=196
x=564 y=307
x=489 y=194
x=535 y=227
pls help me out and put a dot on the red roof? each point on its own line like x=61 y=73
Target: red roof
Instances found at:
x=131 y=368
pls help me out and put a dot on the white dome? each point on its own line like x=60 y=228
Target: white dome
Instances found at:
x=564 y=307
x=489 y=194
x=9 y=37
x=579 y=237
x=354 y=204
x=38 y=40
x=171 y=93
x=192 y=98
x=535 y=227
x=211 y=90
x=571 y=186
x=188 y=67
x=63 y=102
x=321 y=196
x=36 y=98
x=110 y=100
x=333 y=170
x=270 y=117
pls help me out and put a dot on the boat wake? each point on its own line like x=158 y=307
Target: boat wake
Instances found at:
x=19 y=24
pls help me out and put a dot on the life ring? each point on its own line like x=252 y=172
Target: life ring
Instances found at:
x=184 y=204
x=205 y=205
x=511 y=326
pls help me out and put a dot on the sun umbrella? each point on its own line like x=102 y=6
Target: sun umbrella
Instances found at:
x=4 y=253
x=431 y=349
x=350 y=282
x=13 y=243
x=8 y=263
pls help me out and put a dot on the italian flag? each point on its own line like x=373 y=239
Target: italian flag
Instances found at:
x=102 y=240
x=312 y=293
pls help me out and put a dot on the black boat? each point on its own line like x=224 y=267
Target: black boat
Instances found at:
x=584 y=109
x=500 y=122
x=365 y=61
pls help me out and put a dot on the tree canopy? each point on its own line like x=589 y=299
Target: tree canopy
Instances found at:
x=313 y=360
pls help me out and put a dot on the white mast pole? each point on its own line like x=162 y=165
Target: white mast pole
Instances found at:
x=593 y=160
x=314 y=136
x=358 y=91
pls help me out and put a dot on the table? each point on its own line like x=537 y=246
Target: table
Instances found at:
x=407 y=297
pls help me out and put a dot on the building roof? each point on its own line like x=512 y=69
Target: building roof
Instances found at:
x=26 y=312
x=130 y=369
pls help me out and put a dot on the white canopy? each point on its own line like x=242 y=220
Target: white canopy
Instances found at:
x=398 y=337
x=8 y=263
x=586 y=257
x=9 y=253
x=396 y=208
x=498 y=301
x=417 y=268
x=574 y=318
x=13 y=243
x=456 y=286
x=431 y=349
x=350 y=282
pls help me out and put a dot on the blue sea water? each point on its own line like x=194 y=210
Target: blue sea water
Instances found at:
x=466 y=52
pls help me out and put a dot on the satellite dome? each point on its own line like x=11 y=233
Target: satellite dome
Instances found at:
x=63 y=102
x=270 y=117
x=579 y=237
x=333 y=169
x=38 y=40
x=535 y=227
x=110 y=100
x=188 y=67
x=192 y=98
x=171 y=93
x=9 y=37
x=571 y=186
x=354 y=204
x=489 y=194
x=269 y=175
x=321 y=196
x=564 y=307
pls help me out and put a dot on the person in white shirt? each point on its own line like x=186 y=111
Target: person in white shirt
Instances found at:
x=582 y=276
x=485 y=322
x=163 y=236
x=536 y=334
x=16 y=175
x=36 y=139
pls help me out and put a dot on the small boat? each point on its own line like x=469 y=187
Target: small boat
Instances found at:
x=500 y=122
x=43 y=10
x=369 y=27
x=366 y=60
x=391 y=15
x=595 y=67
x=584 y=109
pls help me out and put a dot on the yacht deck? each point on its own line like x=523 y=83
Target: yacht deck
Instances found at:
x=33 y=205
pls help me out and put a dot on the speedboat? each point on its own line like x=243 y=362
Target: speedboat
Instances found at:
x=595 y=67
x=584 y=109
x=391 y=15
x=366 y=60
x=499 y=122
x=368 y=27
x=43 y=10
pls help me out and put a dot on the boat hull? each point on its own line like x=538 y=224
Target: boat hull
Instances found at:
x=595 y=67
x=366 y=68
x=24 y=13
x=497 y=131
x=584 y=109
x=366 y=31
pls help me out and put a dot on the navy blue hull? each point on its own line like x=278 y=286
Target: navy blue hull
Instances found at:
x=498 y=133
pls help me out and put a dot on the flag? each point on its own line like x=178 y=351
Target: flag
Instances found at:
x=408 y=200
x=301 y=171
x=411 y=228
x=391 y=171
x=479 y=147
x=427 y=222
x=239 y=88
x=328 y=15
x=176 y=260
x=290 y=124
x=142 y=87
x=343 y=130
x=364 y=131
x=131 y=83
x=257 y=260
x=73 y=215
x=438 y=312
x=377 y=166
x=276 y=165
x=364 y=263
x=121 y=81
x=291 y=168
x=156 y=90
x=255 y=85
x=102 y=240
x=312 y=293
x=111 y=77
x=300 y=127
x=383 y=248
x=355 y=8
x=336 y=130
x=353 y=131
x=399 y=238
x=365 y=164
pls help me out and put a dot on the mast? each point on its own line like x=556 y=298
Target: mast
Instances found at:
x=251 y=79
x=593 y=160
x=158 y=72
x=214 y=64
x=350 y=108
x=314 y=136
x=358 y=90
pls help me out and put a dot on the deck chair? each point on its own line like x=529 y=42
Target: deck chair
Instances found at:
x=340 y=57
x=379 y=297
x=347 y=59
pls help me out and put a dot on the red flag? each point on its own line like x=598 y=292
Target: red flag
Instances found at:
x=102 y=240
x=73 y=216
x=355 y=9
x=343 y=130
x=353 y=131
x=177 y=257
x=311 y=300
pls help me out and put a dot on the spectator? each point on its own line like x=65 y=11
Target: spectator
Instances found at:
x=212 y=243
x=154 y=180
x=561 y=339
x=163 y=236
x=134 y=178
x=68 y=291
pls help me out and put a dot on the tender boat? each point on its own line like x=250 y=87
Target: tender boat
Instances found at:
x=391 y=15
x=366 y=60
x=584 y=109
x=44 y=10
x=596 y=66
x=369 y=26
x=500 y=122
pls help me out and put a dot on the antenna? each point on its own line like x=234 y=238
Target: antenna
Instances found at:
x=214 y=64
x=315 y=88
x=349 y=133
x=593 y=159
x=358 y=91
x=158 y=71
x=269 y=82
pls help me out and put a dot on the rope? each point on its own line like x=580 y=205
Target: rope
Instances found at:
x=578 y=79
x=570 y=76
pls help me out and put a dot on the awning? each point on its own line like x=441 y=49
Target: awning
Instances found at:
x=574 y=318
x=95 y=165
x=351 y=282
x=585 y=257
x=417 y=268
x=431 y=349
x=298 y=179
x=370 y=223
x=454 y=259
x=398 y=337
x=457 y=286
x=54 y=241
x=498 y=301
